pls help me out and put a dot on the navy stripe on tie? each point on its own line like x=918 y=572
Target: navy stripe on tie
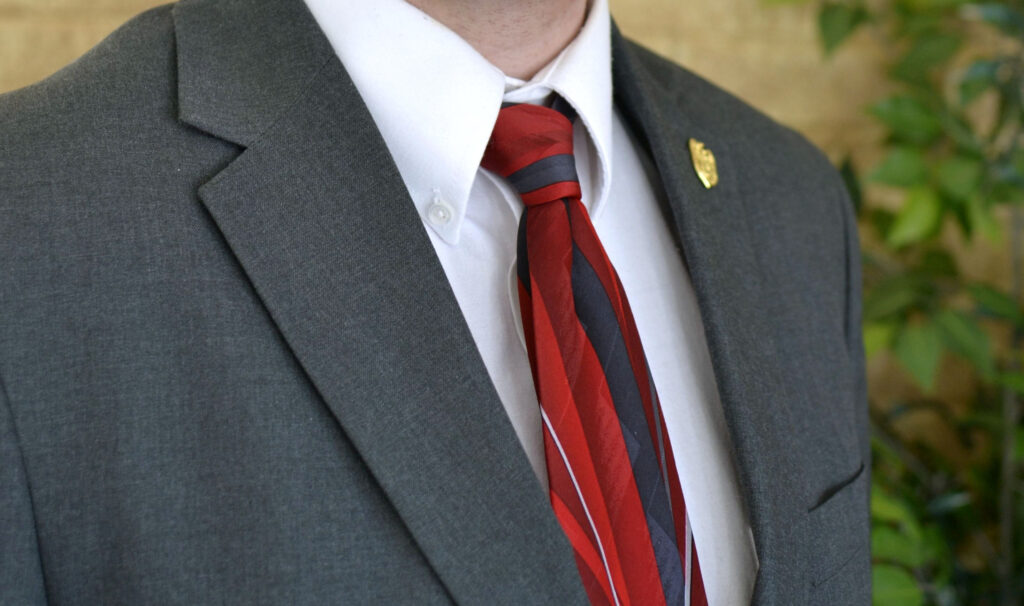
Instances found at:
x=544 y=172
x=562 y=106
x=601 y=325
x=522 y=258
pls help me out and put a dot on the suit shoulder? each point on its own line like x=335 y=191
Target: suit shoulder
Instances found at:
x=99 y=138
x=122 y=75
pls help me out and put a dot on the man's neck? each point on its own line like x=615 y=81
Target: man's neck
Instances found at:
x=518 y=36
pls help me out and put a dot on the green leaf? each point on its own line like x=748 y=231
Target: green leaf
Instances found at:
x=929 y=5
x=930 y=50
x=881 y=220
x=995 y=303
x=902 y=167
x=990 y=423
x=890 y=297
x=1013 y=381
x=878 y=336
x=917 y=219
x=1018 y=442
x=891 y=545
x=958 y=176
x=963 y=335
x=887 y=508
x=961 y=132
x=915 y=21
x=948 y=502
x=982 y=220
x=894 y=586
x=882 y=455
x=837 y=21
x=908 y=119
x=937 y=550
x=979 y=77
x=919 y=347
x=938 y=263
x=1000 y=14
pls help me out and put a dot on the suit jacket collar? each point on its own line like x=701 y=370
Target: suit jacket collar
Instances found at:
x=317 y=215
x=242 y=64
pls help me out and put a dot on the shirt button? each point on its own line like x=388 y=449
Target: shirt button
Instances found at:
x=439 y=213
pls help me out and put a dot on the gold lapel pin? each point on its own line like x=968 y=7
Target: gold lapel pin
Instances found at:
x=704 y=163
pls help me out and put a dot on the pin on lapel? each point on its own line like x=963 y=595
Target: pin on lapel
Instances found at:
x=704 y=163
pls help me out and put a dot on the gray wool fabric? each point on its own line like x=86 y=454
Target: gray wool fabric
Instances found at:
x=232 y=370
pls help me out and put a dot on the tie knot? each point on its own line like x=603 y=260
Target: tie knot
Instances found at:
x=531 y=146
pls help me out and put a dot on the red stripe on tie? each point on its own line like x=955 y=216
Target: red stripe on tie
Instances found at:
x=581 y=537
x=563 y=487
x=527 y=134
x=550 y=267
x=557 y=401
x=596 y=598
x=698 y=595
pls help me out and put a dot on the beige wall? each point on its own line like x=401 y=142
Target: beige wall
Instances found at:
x=39 y=36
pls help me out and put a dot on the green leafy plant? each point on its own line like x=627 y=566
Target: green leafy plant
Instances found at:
x=946 y=505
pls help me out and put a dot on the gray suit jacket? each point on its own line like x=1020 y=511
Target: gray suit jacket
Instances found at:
x=233 y=370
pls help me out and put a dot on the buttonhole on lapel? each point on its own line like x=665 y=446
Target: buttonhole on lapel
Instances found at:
x=832 y=490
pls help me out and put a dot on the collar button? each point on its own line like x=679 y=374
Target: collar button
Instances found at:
x=439 y=213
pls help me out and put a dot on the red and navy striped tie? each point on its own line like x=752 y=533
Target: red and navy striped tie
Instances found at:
x=613 y=483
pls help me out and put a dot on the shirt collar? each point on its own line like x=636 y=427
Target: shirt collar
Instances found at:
x=435 y=99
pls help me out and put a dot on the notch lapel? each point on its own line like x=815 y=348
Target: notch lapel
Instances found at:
x=721 y=252
x=318 y=217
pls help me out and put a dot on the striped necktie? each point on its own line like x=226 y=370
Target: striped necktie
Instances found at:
x=612 y=480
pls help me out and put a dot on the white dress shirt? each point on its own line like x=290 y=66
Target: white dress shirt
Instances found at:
x=435 y=100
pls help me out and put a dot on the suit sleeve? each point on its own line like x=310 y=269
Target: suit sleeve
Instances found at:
x=21 y=575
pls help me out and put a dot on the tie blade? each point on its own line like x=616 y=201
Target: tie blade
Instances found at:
x=613 y=482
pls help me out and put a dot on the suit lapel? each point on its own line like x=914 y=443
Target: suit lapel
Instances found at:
x=721 y=253
x=317 y=215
